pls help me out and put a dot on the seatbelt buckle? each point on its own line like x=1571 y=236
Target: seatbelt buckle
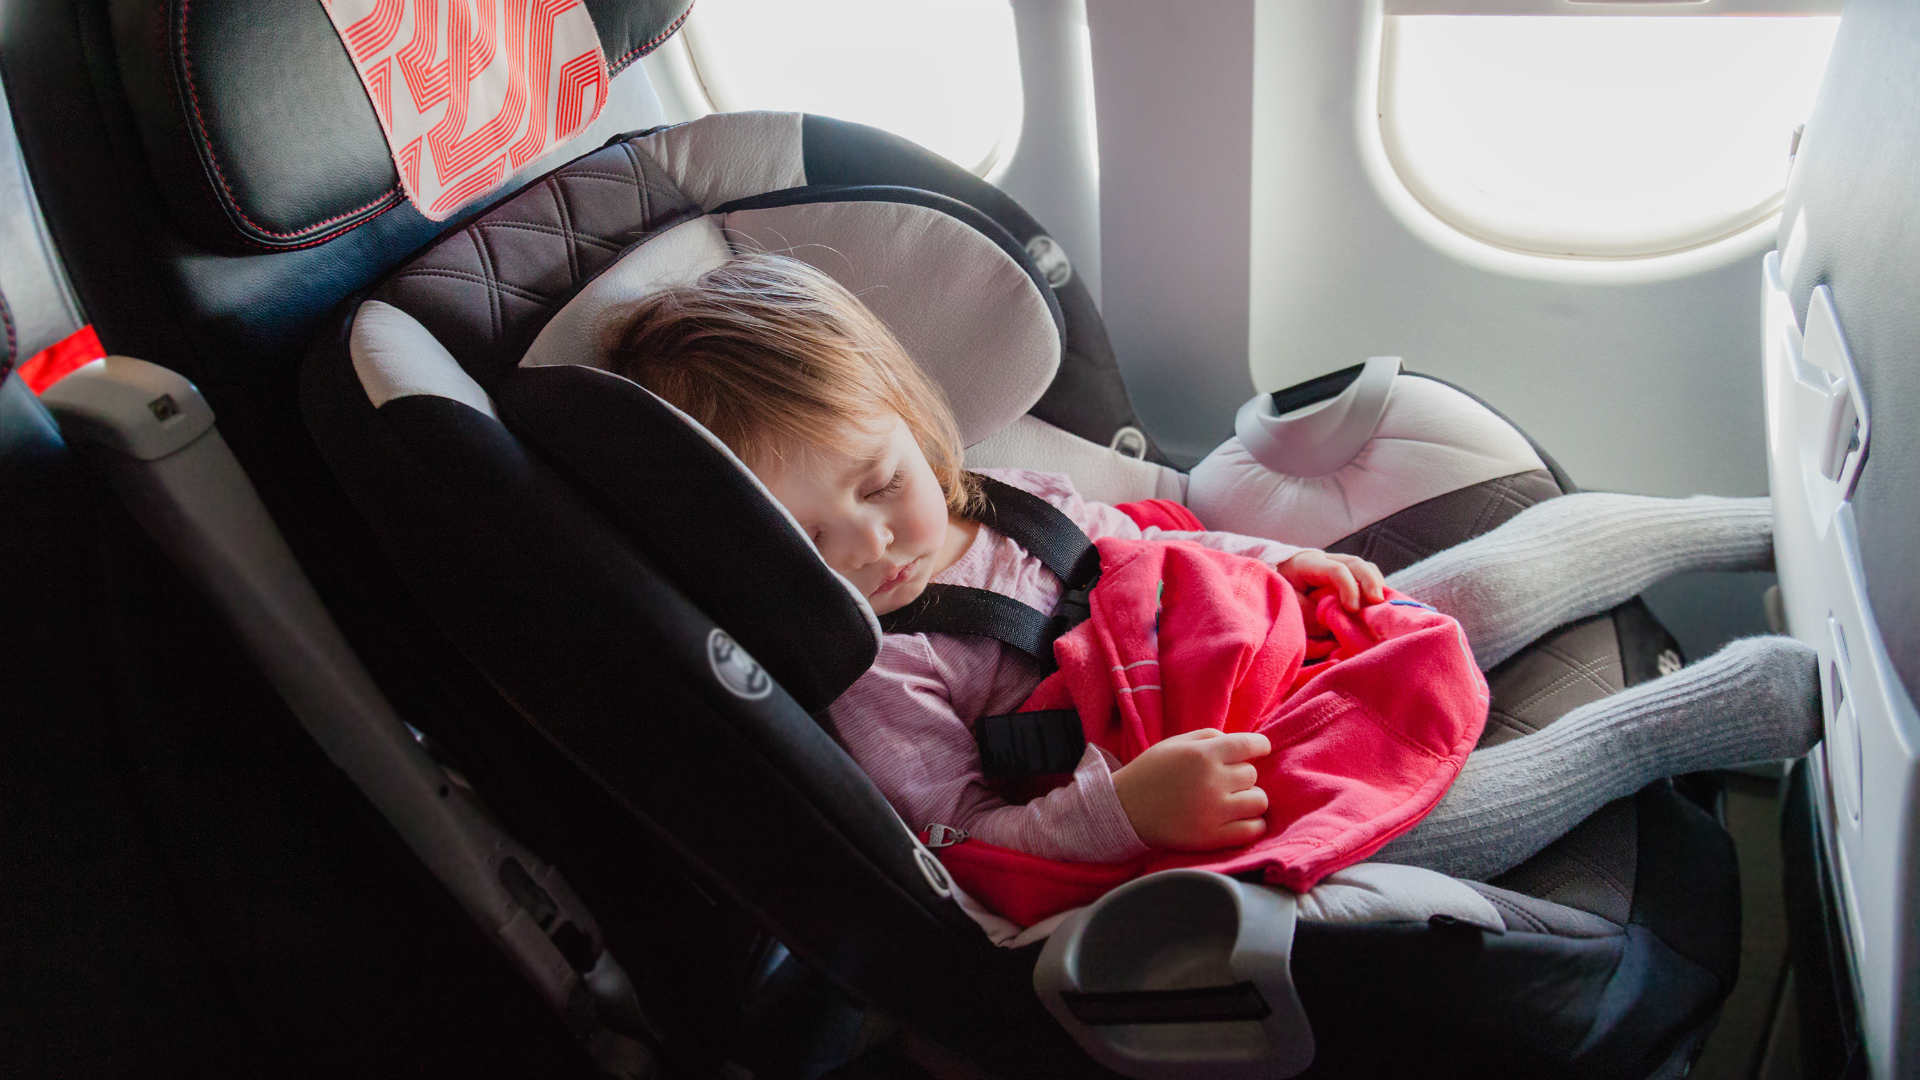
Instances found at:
x=1074 y=608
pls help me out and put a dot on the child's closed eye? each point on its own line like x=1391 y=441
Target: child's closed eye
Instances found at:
x=892 y=485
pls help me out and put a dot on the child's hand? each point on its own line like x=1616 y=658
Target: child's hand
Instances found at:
x=1354 y=578
x=1195 y=791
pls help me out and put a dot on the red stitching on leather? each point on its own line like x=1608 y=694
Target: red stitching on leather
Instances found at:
x=641 y=50
x=213 y=159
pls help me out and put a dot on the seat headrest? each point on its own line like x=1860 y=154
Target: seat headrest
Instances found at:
x=507 y=316
x=701 y=515
x=951 y=285
x=258 y=127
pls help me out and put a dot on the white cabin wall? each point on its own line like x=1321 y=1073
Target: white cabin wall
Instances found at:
x=1175 y=115
x=1054 y=171
x=1253 y=237
x=1248 y=244
x=1637 y=375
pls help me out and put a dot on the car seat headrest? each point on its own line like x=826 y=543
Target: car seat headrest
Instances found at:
x=951 y=285
x=677 y=494
x=698 y=513
x=507 y=315
x=258 y=128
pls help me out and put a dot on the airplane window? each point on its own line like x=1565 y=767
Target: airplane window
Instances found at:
x=944 y=73
x=1609 y=137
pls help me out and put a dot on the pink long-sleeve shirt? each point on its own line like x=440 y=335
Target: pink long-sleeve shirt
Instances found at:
x=909 y=720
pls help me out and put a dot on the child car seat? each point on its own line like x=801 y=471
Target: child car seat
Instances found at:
x=545 y=620
x=460 y=393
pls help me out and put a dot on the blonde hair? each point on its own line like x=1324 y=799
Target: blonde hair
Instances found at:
x=768 y=352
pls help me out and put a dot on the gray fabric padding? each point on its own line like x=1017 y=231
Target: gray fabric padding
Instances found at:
x=725 y=156
x=1592 y=867
x=576 y=334
x=1533 y=915
x=1098 y=472
x=1440 y=522
x=1379 y=892
x=1368 y=892
x=962 y=307
x=396 y=357
x=1555 y=675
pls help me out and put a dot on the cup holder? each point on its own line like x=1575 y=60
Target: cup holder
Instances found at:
x=1180 y=971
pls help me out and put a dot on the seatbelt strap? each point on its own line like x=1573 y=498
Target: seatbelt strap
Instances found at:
x=1041 y=528
x=1029 y=743
x=1050 y=536
x=958 y=609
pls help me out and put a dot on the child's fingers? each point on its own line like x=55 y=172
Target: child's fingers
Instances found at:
x=1242 y=832
x=1241 y=776
x=1251 y=803
x=1343 y=582
x=1373 y=584
x=1242 y=746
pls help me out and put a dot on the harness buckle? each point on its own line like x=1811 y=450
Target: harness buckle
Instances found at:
x=1074 y=608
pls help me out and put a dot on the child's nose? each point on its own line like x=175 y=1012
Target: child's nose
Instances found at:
x=876 y=538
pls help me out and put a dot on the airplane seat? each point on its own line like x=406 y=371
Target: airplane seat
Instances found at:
x=624 y=642
x=1841 y=384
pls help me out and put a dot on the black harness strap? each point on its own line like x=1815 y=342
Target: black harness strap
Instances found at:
x=1029 y=743
x=1053 y=538
x=1041 y=528
x=957 y=609
x=1023 y=744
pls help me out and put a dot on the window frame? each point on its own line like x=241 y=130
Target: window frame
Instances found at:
x=1490 y=231
x=990 y=168
x=1613 y=8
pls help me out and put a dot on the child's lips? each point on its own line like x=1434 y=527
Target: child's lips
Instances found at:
x=896 y=579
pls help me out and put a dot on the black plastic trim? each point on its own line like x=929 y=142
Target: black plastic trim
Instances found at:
x=1316 y=389
x=1816 y=948
x=1200 y=1005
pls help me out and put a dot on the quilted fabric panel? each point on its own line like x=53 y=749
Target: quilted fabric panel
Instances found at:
x=1591 y=868
x=1560 y=672
x=488 y=288
x=1402 y=539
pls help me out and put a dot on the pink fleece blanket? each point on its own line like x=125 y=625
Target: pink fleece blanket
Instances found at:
x=1370 y=713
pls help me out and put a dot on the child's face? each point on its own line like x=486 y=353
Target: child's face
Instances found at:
x=874 y=510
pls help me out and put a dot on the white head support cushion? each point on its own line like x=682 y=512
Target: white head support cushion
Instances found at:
x=964 y=309
x=1430 y=439
x=577 y=333
x=725 y=156
x=966 y=312
x=395 y=357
